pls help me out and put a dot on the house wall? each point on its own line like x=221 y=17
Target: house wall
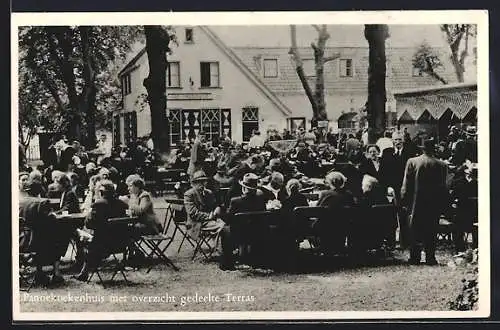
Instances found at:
x=235 y=92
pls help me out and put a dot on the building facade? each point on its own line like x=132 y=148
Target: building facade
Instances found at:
x=232 y=91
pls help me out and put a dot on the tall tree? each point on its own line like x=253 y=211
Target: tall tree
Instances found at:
x=428 y=61
x=158 y=40
x=376 y=34
x=455 y=34
x=67 y=63
x=316 y=98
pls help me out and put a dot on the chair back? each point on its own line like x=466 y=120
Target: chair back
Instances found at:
x=372 y=225
x=118 y=234
x=248 y=227
x=312 y=196
x=176 y=211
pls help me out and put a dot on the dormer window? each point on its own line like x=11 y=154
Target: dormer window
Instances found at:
x=189 y=36
x=270 y=68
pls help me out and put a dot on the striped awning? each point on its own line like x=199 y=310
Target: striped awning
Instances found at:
x=436 y=102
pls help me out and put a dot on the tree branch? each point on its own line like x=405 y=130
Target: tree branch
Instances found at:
x=331 y=58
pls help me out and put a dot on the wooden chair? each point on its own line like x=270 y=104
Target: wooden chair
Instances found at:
x=372 y=226
x=176 y=216
x=152 y=243
x=122 y=238
x=306 y=220
x=258 y=232
x=209 y=237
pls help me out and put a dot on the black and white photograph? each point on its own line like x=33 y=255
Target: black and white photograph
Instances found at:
x=247 y=166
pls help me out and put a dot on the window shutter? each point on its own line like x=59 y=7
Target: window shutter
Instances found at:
x=205 y=74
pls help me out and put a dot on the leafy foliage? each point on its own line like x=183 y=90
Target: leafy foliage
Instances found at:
x=69 y=74
x=469 y=296
x=428 y=61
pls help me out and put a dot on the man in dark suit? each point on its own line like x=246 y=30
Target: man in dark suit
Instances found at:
x=391 y=173
x=425 y=194
x=250 y=201
x=60 y=156
x=201 y=205
x=104 y=208
x=37 y=235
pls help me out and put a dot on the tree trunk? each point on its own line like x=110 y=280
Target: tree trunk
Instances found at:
x=376 y=36
x=294 y=51
x=88 y=96
x=156 y=47
x=319 y=61
x=459 y=67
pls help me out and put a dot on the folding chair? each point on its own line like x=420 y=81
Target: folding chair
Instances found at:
x=27 y=269
x=153 y=242
x=176 y=215
x=121 y=237
x=207 y=234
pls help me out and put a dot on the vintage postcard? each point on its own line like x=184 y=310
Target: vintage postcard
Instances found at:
x=250 y=166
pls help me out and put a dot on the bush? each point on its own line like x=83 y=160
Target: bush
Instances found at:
x=468 y=297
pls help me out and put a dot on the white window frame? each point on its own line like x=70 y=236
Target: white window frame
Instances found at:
x=170 y=85
x=214 y=78
x=267 y=74
x=249 y=121
x=192 y=36
x=341 y=73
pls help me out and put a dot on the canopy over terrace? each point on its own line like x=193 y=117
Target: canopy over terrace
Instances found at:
x=434 y=109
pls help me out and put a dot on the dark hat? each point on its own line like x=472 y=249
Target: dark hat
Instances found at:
x=199 y=176
x=250 y=181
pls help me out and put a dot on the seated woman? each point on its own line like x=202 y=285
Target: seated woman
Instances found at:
x=36 y=183
x=52 y=190
x=140 y=204
x=371 y=164
x=333 y=232
x=92 y=192
x=107 y=206
x=295 y=197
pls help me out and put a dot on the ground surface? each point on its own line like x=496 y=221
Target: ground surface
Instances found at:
x=381 y=285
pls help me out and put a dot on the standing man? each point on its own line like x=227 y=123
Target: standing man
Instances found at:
x=424 y=193
x=198 y=154
x=391 y=173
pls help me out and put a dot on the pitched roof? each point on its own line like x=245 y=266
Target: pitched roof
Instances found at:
x=246 y=71
x=132 y=62
x=288 y=83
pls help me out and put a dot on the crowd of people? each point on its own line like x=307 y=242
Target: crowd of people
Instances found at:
x=421 y=178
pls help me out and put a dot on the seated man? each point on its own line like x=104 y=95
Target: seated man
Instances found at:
x=201 y=206
x=107 y=206
x=41 y=225
x=250 y=201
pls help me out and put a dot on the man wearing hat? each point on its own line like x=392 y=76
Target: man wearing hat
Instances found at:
x=201 y=205
x=425 y=195
x=250 y=201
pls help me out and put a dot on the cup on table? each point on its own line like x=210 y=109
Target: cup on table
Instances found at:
x=128 y=212
x=65 y=213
